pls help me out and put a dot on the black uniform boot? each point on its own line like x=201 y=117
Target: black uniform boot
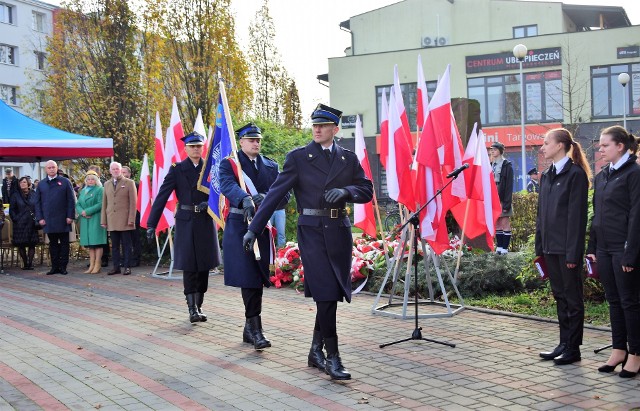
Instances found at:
x=199 y=301
x=316 y=355
x=255 y=333
x=194 y=317
x=333 y=366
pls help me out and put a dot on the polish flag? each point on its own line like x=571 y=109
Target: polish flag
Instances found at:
x=174 y=146
x=160 y=169
x=483 y=202
x=440 y=149
x=198 y=127
x=144 y=193
x=422 y=97
x=406 y=131
x=384 y=129
x=399 y=182
x=364 y=217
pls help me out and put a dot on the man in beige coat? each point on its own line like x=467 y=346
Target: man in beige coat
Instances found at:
x=119 y=216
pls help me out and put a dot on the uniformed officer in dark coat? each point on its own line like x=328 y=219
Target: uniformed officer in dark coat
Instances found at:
x=534 y=183
x=324 y=177
x=241 y=269
x=195 y=245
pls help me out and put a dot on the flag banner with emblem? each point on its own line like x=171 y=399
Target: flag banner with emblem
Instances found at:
x=220 y=147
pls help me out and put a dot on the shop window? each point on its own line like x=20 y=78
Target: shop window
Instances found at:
x=608 y=97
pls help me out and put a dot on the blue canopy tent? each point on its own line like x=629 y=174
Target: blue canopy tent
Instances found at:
x=23 y=139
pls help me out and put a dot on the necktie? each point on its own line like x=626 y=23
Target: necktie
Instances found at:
x=552 y=172
x=115 y=183
x=327 y=154
x=255 y=165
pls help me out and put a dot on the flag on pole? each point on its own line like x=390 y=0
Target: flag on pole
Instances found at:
x=220 y=148
x=160 y=169
x=406 y=131
x=384 y=129
x=364 y=218
x=174 y=146
x=199 y=128
x=399 y=182
x=483 y=201
x=422 y=97
x=440 y=149
x=144 y=193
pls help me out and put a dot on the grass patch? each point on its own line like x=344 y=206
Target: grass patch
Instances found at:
x=538 y=303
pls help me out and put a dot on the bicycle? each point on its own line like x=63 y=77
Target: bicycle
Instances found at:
x=392 y=215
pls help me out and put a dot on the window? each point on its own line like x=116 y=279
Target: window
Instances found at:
x=525 y=31
x=409 y=96
x=7 y=54
x=7 y=13
x=40 y=98
x=38 y=21
x=9 y=94
x=499 y=97
x=607 y=94
x=40 y=59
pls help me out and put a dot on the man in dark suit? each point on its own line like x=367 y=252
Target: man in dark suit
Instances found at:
x=55 y=211
x=9 y=185
x=196 y=248
x=324 y=177
x=241 y=269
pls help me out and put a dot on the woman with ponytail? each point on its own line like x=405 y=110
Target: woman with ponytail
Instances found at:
x=560 y=235
x=614 y=242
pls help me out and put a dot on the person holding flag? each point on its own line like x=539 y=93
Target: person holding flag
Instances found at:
x=241 y=269
x=324 y=177
x=196 y=247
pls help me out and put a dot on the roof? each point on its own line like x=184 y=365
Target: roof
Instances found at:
x=586 y=17
x=25 y=139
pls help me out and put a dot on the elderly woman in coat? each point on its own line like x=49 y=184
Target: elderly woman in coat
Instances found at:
x=22 y=213
x=89 y=206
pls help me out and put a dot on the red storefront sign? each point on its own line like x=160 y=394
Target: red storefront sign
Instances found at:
x=510 y=136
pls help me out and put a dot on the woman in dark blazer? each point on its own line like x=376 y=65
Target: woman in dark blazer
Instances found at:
x=614 y=242
x=560 y=235
x=22 y=212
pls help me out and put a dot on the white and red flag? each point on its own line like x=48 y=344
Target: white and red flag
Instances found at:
x=144 y=193
x=174 y=146
x=198 y=127
x=422 y=96
x=160 y=168
x=439 y=150
x=479 y=213
x=397 y=91
x=384 y=129
x=364 y=218
x=399 y=181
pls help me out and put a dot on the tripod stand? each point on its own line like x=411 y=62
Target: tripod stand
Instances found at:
x=414 y=220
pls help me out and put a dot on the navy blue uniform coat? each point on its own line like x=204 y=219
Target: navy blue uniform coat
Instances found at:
x=195 y=245
x=242 y=269
x=55 y=202
x=325 y=243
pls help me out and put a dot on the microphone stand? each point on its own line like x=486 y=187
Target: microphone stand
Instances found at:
x=414 y=219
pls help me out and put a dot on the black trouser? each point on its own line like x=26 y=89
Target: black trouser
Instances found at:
x=136 y=247
x=252 y=298
x=326 y=318
x=195 y=281
x=567 y=287
x=123 y=237
x=59 y=249
x=622 y=291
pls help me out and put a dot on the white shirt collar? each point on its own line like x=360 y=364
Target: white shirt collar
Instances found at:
x=620 y=162
x=560 y=164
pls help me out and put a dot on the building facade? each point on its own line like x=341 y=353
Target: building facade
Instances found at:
x=575 y=54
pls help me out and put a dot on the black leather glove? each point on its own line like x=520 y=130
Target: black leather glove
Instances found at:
x=248 y=208
x=203 y=207
x=335 y=195
x=257 y=199
x=248 y=240
x=151 y=231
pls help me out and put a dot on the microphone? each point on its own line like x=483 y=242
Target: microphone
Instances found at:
x=457 y=171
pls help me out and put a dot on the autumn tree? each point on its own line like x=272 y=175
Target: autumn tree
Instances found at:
x=273 y=89
x=93 y=84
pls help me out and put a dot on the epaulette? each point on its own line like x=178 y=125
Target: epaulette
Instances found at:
x=350 y=151
x=269 y=158
x=298 y=149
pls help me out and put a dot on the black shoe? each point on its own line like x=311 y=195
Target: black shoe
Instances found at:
x=63 y=271
x=127 y=271
x=256 y=333
x=316 y=356
x=333 y=367
x=569 y=356
x=114 y=271
x=54 y=270
x=550 y=355
x=194 y=317
x=611 y=368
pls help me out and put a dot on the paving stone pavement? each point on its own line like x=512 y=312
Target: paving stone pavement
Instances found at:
x=83 y=341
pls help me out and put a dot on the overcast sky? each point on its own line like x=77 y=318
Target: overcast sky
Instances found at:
x=308 y=33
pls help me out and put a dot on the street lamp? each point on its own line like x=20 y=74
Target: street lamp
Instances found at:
x=519 y=52
x=623 y=78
